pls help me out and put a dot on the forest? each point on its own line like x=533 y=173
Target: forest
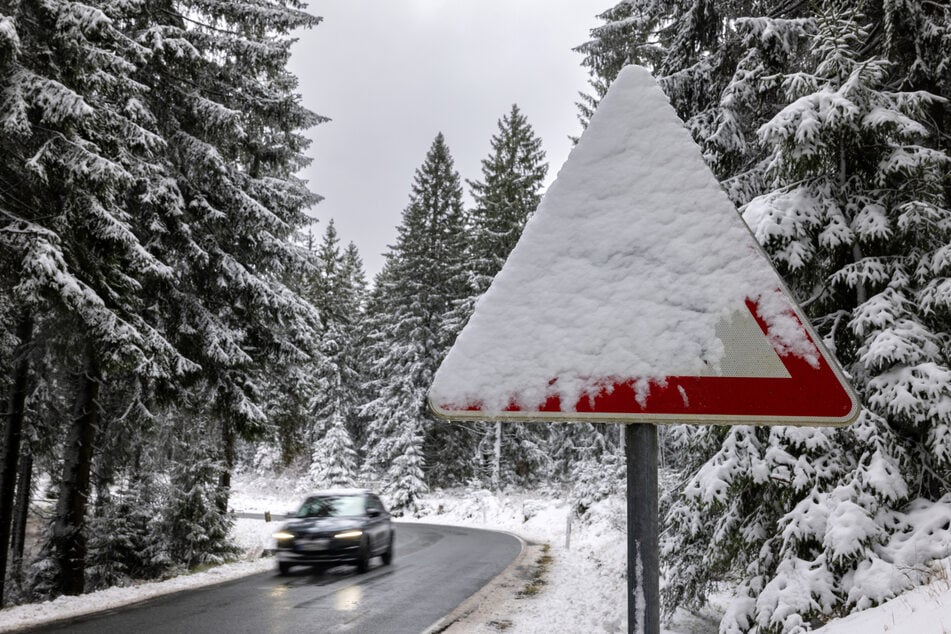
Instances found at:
x=170 y=314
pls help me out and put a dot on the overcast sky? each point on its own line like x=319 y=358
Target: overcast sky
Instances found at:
x=391 y=74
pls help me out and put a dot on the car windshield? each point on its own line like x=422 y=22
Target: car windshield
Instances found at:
x=331 y=506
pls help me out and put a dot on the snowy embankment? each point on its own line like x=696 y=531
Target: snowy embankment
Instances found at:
x=582 y=588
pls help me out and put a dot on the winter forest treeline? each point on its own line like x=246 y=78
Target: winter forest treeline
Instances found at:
x=169 y=313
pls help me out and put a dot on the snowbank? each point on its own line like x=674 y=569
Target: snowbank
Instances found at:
x=922 y=610
x=584 y=586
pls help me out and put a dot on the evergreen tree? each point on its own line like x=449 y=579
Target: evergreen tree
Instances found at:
x=871 y=216
x=628 y=36
x=194 y=529
x=507 y=195
x=360 y=360
x=72 y=146
x=226 y=204
x=126 y=543
x=293 y=388
x=335 y=290
x=713 y=60
x=355 y=278
x=423 y=279
x=148 y=200
x=598 y=467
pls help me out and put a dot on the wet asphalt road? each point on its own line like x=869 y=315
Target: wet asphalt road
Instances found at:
x=435 y=568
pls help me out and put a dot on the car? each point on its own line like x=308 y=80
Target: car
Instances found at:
x=347 y=526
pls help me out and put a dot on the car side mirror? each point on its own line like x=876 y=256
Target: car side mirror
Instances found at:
x=374 y=512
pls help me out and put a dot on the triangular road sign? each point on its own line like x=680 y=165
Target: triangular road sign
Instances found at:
x=637 y=294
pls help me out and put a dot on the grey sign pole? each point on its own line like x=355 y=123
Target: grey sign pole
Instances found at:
x=643 y=569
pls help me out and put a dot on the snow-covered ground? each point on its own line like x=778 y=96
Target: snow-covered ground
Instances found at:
x=584 y=584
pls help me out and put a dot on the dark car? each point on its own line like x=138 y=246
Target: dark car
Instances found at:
x=336 y=527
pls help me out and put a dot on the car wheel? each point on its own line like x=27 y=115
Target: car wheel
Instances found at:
x=388 y=554
x=283 y=568
x=363 y=563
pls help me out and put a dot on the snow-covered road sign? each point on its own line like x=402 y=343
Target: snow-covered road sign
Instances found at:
x=637 y=294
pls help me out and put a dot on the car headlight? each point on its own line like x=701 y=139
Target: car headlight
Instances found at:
x=349 y=534
x=279 y=535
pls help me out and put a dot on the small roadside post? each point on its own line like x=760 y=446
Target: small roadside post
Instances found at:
x=637 y=295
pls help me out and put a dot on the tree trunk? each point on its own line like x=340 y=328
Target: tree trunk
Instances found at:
x=68 y=535
x=861 y=295
x=21 y=514
x=12 y=433
x=224 y=478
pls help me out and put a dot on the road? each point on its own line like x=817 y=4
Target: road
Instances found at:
x=435 y=568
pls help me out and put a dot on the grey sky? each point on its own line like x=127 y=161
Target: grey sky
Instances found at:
x=392 y=73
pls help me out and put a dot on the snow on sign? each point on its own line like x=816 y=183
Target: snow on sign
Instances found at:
x=637 y=294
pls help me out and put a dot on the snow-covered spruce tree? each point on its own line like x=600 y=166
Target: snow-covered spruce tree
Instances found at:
x=288 y=403
x=355 y=277
x=597 y=467
x=628 y=36
x=424 y=277
x=334 y=460
x=857 y=221
x=126 y=541
x=224 y=205
x=712 y=59
x=334 y=289
x=157 y=163
x=681 y=42
x=397 y=401
x=917 y=37
x=507 y=194
x=194 y=529
x=71 y=148
x=359 y=360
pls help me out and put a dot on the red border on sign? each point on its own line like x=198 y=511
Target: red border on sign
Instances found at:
x=811 y=391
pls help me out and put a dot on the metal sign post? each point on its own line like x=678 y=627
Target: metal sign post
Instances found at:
x=643 y=567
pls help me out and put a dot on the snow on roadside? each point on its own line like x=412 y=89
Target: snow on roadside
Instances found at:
x=252 y=535
x=585 y=583
x=584 y=587
x=31 y=615
x=922 y=610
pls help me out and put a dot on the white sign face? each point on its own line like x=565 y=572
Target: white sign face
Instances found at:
x=637 y=293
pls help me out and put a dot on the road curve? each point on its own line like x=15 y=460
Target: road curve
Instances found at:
x=434 y=570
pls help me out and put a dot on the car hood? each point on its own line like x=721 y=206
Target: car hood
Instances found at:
x=322 y=524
